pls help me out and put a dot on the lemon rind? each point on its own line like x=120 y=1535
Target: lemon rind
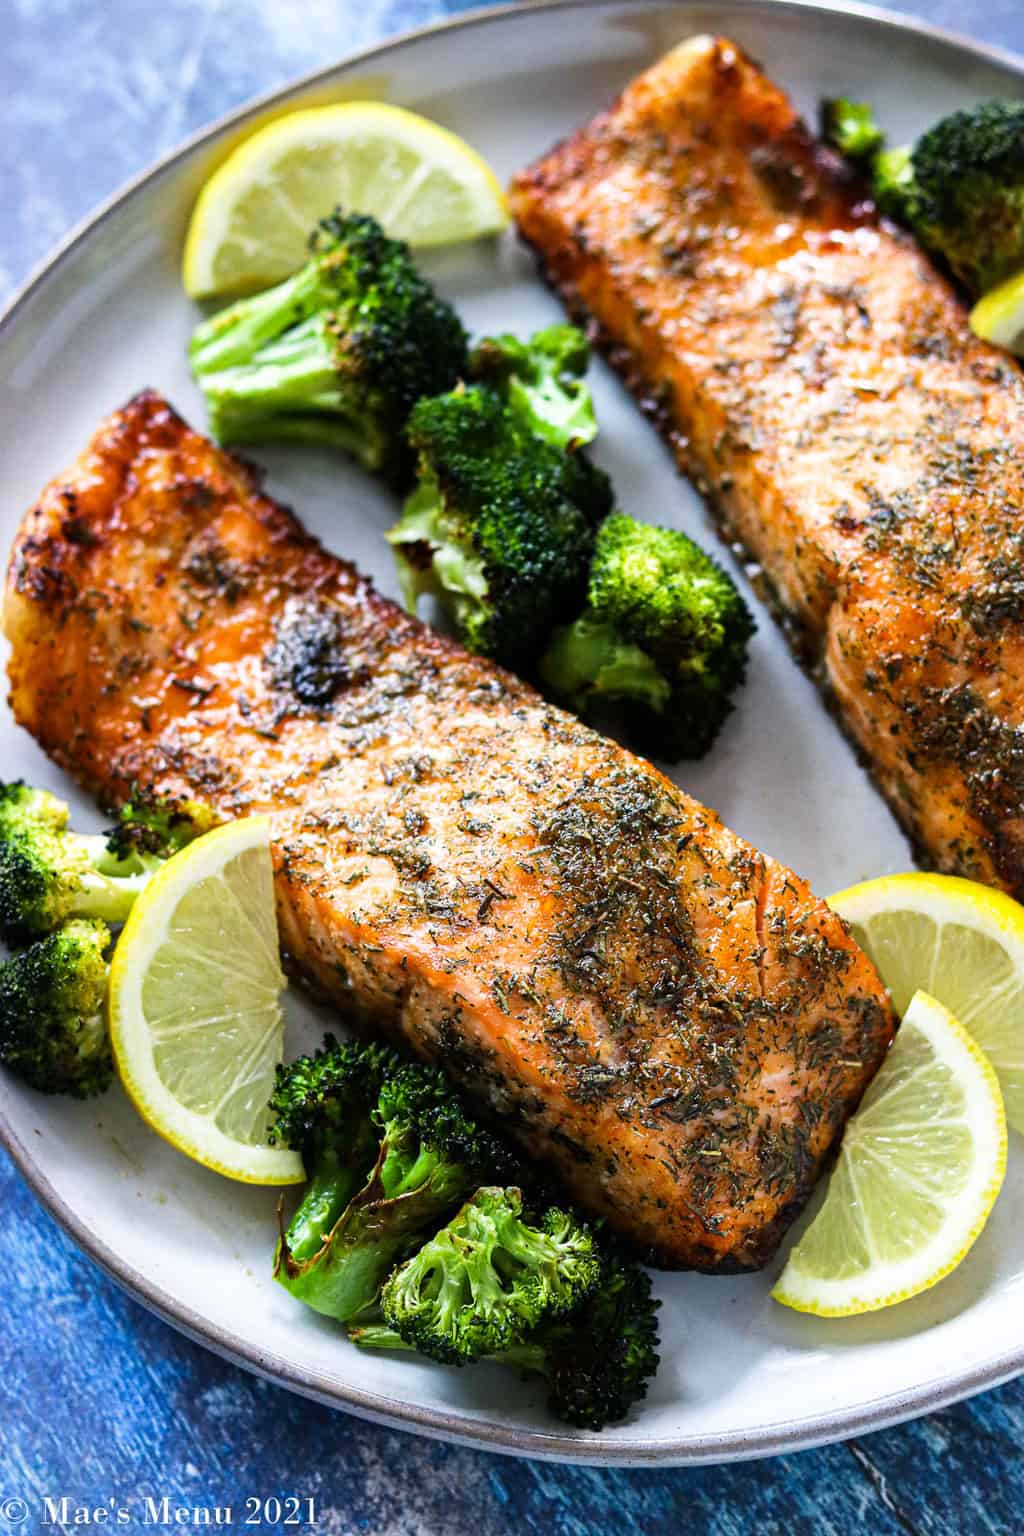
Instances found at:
x=944 y=899
x=982 y=1196
x=183 y=1128
x=257 y=154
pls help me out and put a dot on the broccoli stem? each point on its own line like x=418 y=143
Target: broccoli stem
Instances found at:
x=449 y=565
x=379 y=1336
x=108 y=890
x=330 y=1188
x=588 y=658
x=294 y=390
x=235 y=333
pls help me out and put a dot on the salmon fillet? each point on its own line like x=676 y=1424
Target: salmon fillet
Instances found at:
x=659 y=1012
x=819 y=380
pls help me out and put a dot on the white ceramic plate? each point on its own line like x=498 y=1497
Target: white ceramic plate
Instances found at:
x=740 y=1375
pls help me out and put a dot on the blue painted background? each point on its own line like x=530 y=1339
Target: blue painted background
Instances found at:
x=100 y=1401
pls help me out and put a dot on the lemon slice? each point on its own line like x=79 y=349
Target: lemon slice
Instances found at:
x=999 y=316
x=253 y=219
x=963 y=943
x=920 y=1166
x=195 y=1011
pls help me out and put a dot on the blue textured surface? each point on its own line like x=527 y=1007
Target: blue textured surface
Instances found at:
x=101 y=1402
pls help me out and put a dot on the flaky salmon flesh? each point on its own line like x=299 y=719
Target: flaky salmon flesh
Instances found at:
x=819 y=380
x=665 y=1017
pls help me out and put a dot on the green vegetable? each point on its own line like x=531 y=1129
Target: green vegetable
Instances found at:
x=542 y=380
x=489 y=1278
x=597 y=1360
x=850 y=127
x=663 y=635
x=959 y=189
x=52 y=1028
x=501 y=525
x=49 y=873
x=390 y=1154
x=964 y=196
x=338 y=354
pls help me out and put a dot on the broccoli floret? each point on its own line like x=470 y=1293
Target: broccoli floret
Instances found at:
x=391 y=1154
x=49 y=873
x=489 y=1277
x=965 y=198
x=892 y=184
x=597 y=1360
x=850 y=127
x=959 y=189
x=338 y=354
x=160 y=828
x=53 y=1032
x=663 y=635
x=500 y=527
x=542 y=379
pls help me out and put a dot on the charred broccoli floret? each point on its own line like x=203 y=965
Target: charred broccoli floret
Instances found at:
x=53 y=1032
x=146 y=826
x=663 y=636
x=597 y=1360
x=338 y=354
x=960 y=188
x=390 y=1152
x=500 y=526
x=489 y=1277
x=542 y=379
x=49 y=873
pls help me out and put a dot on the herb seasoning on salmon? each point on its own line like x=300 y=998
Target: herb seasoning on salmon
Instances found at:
x=820 y=381
x=665 y=1016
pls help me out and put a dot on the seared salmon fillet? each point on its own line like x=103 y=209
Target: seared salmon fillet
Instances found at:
x=819 y=380
x=662 y=1014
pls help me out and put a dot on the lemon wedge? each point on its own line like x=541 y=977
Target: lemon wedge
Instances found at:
x=919 y=1169
x=252 y=221
x=195 y=1010
x=962 y=942
x=999 y=316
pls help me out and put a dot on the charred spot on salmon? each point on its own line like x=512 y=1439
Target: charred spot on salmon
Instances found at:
x=306 y=659
x=209 y=564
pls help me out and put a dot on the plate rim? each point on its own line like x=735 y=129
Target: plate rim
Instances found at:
x=771 y=1439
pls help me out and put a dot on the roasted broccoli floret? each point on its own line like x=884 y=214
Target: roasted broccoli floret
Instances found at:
x=489 y=1277
x=597 y=1360
x=338 y=354
x=965 y=197
x=542 y=379
x=500 y=527
x=53 y=1032
x=960 y=188
x=49 y=873
x=850 y=127
x=146 y=826
x=390 y=1152
x=663 y=636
